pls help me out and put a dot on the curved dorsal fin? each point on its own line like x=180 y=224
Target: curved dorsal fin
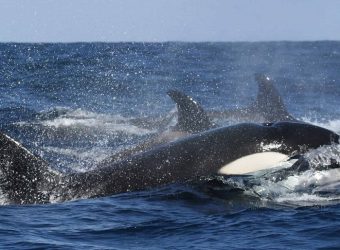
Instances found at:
x=191 y=116
x=269 y=102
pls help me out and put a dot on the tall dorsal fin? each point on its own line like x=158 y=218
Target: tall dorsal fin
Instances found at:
x=269 y=102
x=191 y=116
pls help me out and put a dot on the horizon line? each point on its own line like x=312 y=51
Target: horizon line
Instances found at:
x=165 y=41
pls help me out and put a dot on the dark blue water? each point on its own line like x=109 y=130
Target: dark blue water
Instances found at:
x=72 y=104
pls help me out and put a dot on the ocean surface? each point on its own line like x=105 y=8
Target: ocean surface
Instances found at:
x=76 y=104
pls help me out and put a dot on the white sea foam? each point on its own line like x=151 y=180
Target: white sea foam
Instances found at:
x=306 y=188
x=3 y=199
x=85 y=119
x=303 y=199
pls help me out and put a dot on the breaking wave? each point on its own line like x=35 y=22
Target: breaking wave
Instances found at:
x=79 y=118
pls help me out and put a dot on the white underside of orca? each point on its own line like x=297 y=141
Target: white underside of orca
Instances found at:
x=252 y=163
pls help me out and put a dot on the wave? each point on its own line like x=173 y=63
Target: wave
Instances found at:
x=78 y=118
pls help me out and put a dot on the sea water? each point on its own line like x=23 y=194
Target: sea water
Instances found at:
x=73 y=105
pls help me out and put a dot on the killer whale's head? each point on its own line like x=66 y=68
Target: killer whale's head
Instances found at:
x=300 y=135
x=263 y=146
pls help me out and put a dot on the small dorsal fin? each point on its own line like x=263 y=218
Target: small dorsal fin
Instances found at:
x=269 y=102
x=191 y=116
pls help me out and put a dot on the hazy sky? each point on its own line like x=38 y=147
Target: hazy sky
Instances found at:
x=168 y=20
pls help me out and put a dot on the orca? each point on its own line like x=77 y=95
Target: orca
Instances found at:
x=27 y=179
x=268 y=106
